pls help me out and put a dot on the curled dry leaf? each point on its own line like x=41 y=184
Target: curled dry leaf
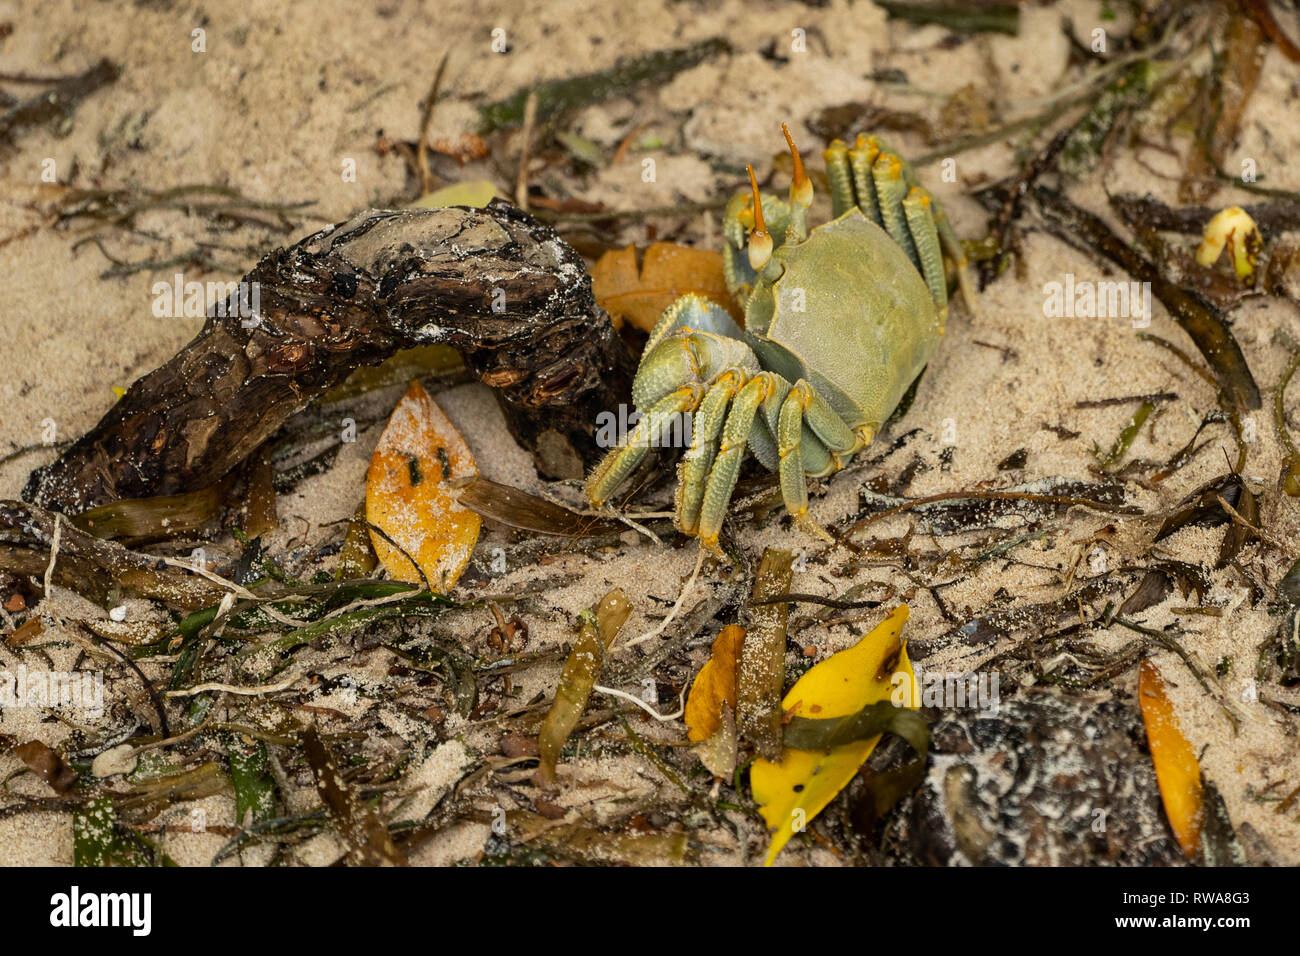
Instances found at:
x=714 y=685
x=668 y=271
x=579 y=676
x=794 y=790
x=711 y=707
x=410 y=499
x=1177 y=771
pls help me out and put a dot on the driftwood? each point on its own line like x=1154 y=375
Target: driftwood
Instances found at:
x=96 y=569
x=493 y=283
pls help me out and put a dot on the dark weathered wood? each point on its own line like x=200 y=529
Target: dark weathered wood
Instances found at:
x=495 y=284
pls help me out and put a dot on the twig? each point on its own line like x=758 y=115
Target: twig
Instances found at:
x=235 y=688
x=422 y=147
x=521 y=184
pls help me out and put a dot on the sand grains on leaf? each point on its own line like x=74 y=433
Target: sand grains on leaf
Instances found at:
x=410 y=501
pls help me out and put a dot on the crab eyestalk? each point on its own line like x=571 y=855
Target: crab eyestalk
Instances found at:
x=801 y=194
x=760 y=241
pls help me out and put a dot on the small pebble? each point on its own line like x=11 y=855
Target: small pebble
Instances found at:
x=118 y=613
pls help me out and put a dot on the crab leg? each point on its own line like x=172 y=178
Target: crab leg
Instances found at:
x=840 y=177
x=918 y=207
x=616 y=467
x=836 y=442
x=731 y=449
x=891 y=188
x=862 y=158
x=693 y=472
x=693 y=343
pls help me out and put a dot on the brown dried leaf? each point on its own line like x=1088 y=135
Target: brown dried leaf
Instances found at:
x=715 y=685
x=41 y=760
x=668 y=271
x=519 y=509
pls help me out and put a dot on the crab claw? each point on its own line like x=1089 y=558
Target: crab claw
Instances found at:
x=801 y=188
x=760 y=241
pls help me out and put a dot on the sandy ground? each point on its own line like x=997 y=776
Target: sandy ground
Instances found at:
x=279 y=103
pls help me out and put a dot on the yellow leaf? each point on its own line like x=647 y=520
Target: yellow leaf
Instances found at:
x=475 y=192
x=667 y=272
x=715 y=685
x=1177 y=770
x=408 y=496
x=1233 y=228
x=792 y=792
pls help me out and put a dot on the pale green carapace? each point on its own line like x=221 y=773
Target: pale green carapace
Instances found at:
x=839 y=321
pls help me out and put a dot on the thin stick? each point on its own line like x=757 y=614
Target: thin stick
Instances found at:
x=54 y=554
x=521 y=185
x=236 y=689
x=422 y=147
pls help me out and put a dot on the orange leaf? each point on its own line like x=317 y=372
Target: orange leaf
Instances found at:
x=715 y=685
x=1177 y=770
x=408 y=496
x=668 y=271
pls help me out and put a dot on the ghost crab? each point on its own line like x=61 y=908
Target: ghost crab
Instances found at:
x=839 y=321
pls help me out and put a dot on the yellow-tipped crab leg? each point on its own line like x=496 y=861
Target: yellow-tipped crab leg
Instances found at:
x=891 y=189
x=918 y=207
x=731 y=450
x=693 y=472
x=616 y=467
x=694 y=342
x=836 y=443
x=840 y=177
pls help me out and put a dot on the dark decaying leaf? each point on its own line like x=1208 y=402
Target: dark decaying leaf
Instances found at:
x=1239 y=535
x=92 y=567
x=1159 y=580
x=884 y=790
x=1043 y=617
x=1151 y=590
x=810 y=733
x=41 y=760
x=960 y=18
x=142 y=520
x=558 y=96
x=1219 y=844
x=1201 y=508
x=1288 y=589
x=359 y=826
x=519 y=509
x=981 y=510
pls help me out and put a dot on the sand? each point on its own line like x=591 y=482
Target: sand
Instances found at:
x=280 y=103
